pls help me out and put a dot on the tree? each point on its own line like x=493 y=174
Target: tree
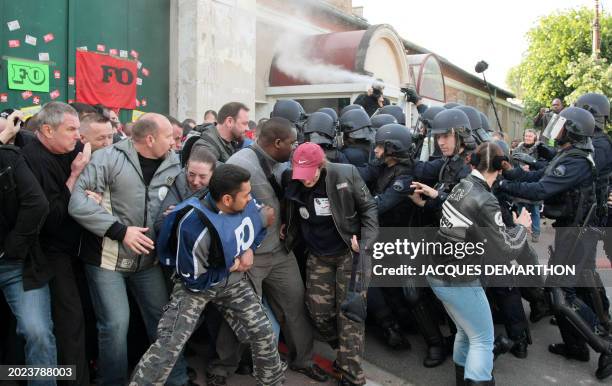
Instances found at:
x=553 y=56
x=588 y=74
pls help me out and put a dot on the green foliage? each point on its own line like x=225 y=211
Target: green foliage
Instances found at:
x=554 y=56
x=588 y=74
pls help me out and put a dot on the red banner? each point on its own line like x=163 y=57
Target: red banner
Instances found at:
x=106 y=80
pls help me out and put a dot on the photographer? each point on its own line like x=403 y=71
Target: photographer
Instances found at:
x=373 y=99
x=544 y=115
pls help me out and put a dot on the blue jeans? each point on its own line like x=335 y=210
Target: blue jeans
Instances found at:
x=110 y=300
x=534 y=209
x=467 y=305
x=32 y=309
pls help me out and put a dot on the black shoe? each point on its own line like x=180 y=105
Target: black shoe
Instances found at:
x=578 y=353
x=459 y=375
x=604 y=366
x=501 y=345
x=539 y=310
x=395 y=339
x=215 y=380
x=313 y=371
x=519 y=349
x=436 y=355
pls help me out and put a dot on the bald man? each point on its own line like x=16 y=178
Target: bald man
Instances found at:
x=132 y=177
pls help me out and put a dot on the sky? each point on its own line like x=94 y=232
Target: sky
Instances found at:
x=466 y=31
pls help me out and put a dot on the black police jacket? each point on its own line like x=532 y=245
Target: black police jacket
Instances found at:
x=352 y=206
x=23 y=210
x=566 y=186
x=471 y=213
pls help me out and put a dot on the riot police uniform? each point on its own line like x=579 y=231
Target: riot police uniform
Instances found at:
x=321 y=129
x=567 y=186
x=358 y=137
x=293 y=112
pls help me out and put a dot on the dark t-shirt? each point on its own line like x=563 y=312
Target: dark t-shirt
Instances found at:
x=149 y=166
x=60 y=233
x=316 y=222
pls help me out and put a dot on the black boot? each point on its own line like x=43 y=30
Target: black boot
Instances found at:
x=459 y=375
x=469 y=382
x=394 y=337
x=538 y=302
x=604 y=366
x=428 y=327
x=570 y=352
x=519 y=349
x=501 y=345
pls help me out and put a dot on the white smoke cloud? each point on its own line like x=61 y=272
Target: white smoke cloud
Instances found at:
x=291 y=60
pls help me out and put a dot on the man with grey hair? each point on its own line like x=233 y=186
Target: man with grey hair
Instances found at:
x=57 y=158
x=133 y=177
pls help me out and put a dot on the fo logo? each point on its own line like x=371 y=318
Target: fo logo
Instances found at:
x=121 y=75
x=23 y=74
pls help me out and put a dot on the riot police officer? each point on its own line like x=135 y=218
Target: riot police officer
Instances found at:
x=380 y=120
x=321 y=129
x=358 y=136
x=394 y=110
x=475 y=123
x=567 y=188
x=293 y=112
x=426 y=146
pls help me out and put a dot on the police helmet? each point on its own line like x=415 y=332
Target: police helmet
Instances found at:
x=578 y=121
x=396 y=139
x=473 y=115
x=288 y=109
x=394 y=110
x=320 y=128
x=596 y=104
x=380 y=120
x=354 y=120
x=504 y=146
x=451 y=105
x=484 y=122
x=351 y=107
x=450 y=119
x=331 y=112
x=429 y=115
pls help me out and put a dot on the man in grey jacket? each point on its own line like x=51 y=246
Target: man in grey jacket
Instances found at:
x=133 y=176
x=275 y=272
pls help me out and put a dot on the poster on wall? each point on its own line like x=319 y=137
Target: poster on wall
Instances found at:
x=106 y=80
x=27 y=75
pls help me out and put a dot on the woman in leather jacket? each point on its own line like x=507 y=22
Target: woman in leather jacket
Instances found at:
x=472 y=213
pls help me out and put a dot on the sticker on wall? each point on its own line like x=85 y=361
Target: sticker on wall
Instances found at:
x=31 y=40
x=134 y=54
x=3 y=97
x=137 y=103
x=143 y=102
x=123 y=53
x=139 y=81
x=14 y=43
x=71 y=80
x=13 y=25
x=101 y=47
x=145 y=71
x=70 y=101
x=138 y=64
x=82 y=48
x=36 y=100
x=54 y=94
x=43 y=56
x=27 y=75
x=57 y=74
x=26 y=95
x=113 y=51
x=48 y=37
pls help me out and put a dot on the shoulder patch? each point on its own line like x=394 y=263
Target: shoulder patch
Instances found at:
x=498 y=219
x=559 y=171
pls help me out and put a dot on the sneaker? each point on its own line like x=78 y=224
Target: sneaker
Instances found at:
x=313 y=371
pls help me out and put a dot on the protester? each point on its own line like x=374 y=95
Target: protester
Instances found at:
x=133 y=177
x=57 y=159
x=210 y=116
x=96 y=130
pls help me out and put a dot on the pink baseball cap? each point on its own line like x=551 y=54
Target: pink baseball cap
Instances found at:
x=306 y=160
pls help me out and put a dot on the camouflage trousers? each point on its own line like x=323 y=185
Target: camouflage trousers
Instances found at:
x=327 y=281
x=243 y=311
